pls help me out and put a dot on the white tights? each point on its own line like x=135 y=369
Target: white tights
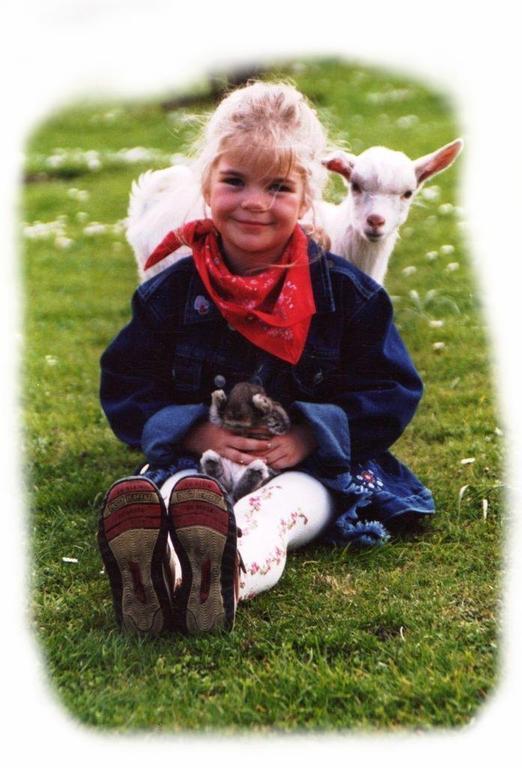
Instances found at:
x=289 y=511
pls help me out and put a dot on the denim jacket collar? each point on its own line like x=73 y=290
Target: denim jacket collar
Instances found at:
x=199 y=307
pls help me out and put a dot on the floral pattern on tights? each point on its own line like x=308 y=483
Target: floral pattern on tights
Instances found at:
x=278 y=555
x=254 y=506
x=287 y=525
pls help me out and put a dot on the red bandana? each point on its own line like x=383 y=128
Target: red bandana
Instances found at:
x=272 y=309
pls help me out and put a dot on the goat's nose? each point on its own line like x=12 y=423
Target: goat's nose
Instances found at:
x=375 y=221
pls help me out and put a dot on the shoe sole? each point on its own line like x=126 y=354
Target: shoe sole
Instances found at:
x=132 y=537
x=203 y=532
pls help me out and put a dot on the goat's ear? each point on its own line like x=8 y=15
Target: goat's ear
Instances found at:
x=340 y=162
x=437 y=161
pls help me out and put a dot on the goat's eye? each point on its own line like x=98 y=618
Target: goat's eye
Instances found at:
x=356 y=187
x=407 y=194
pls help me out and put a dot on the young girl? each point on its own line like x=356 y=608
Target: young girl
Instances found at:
x=257 y=301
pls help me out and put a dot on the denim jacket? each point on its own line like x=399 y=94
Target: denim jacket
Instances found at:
x=354 y=384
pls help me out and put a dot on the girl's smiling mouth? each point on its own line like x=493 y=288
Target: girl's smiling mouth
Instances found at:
x=252 y=223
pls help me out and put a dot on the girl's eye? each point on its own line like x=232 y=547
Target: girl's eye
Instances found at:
x=233 y=181
x=280 y=188
x=407 y=194
x=356 y=187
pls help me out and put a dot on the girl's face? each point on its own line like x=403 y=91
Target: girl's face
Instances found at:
x=255 y=214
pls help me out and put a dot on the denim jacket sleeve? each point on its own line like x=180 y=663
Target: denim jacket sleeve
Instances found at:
x=136 y=387
x=371 y=397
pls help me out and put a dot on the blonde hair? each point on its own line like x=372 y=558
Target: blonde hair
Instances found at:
x=272 y=126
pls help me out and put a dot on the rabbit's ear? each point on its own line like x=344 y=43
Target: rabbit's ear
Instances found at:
x=217 y=406
x=261 y=402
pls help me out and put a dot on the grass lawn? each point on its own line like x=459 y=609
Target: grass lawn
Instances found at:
x=399 y=637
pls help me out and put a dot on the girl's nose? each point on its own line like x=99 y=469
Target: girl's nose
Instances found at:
x=256 y=201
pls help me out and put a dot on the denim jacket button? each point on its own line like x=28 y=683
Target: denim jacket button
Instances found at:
x=220 y=381
x=201 y=305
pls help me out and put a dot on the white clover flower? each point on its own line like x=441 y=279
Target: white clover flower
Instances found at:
x=453 y=266
x=445 y=208
x=118 y=227
x=392 y=96
x=407 y=121
x=78 y=194
x=430 y=193
x=137 y=155
x=63 y=242
x=438 y=346
x=111 y=115
x=431 y=255
x=51 y=360
x=407 y=271
x=447 y=249
x=55 y=161
x=95 y=228
x=42 y=230
x=436 y=323
x=468 y=461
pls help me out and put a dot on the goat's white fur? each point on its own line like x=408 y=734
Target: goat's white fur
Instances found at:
x=363 y=228
x=161 y=201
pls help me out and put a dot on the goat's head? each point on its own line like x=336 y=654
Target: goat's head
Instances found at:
x=383 y=184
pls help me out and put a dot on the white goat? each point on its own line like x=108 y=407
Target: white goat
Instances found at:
x=362 y=228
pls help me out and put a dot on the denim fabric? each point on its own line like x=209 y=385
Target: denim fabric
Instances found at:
x=355 y=383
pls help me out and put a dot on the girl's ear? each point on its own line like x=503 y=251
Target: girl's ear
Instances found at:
x=305 y=207
x=340 y=162
x=205 y=191
x=428 y=165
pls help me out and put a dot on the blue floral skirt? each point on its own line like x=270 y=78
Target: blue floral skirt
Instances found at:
x=382 y=493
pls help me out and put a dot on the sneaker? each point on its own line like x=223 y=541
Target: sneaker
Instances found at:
x=203 y=532
x=132 y=537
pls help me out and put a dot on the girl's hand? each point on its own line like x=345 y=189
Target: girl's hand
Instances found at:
x=288 y=450
x=243 y=450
